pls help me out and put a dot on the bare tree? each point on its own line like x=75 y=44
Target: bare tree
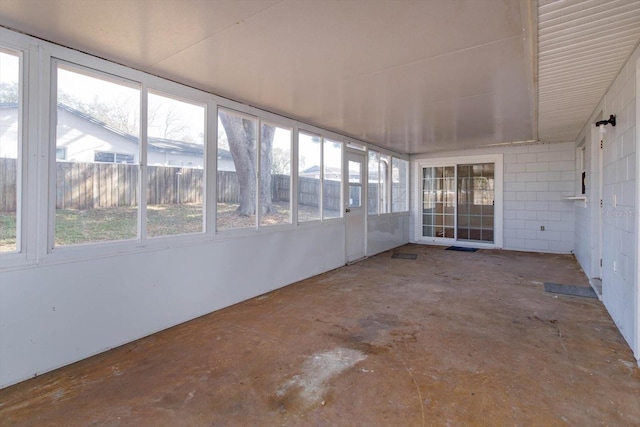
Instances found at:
x=9 y=93
x=280 y=161
x=242 y=137
x=168 y=121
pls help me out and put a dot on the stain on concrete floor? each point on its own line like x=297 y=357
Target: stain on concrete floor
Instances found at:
x=451 y=338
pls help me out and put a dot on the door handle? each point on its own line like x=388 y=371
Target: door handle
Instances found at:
x=347 y=210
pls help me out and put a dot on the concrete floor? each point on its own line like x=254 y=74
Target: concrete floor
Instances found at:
x=450 y=338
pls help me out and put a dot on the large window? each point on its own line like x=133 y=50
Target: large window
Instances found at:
x=127 y=157
x=175 y=172
x=378 y=187
x=275 y=175
x=96 y=188
x=237 y=170
x=319 y=178
x=309 y=176
x=10 y=150
x=372 y=185
x=400 y=184
x=332 y=180
x=383 y=188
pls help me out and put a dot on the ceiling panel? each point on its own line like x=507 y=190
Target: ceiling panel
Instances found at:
x=413 y=76
x=139 y=33
x=582 y=46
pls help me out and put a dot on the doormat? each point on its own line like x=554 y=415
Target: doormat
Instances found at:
x=404 y=256
x=461 y=249
x=576 y=291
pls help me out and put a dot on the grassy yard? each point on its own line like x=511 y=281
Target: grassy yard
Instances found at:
x=7 y=231
x=98 y=225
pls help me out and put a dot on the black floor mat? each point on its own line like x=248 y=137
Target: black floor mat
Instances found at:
x=576 y=291
x=404 y=256
x=461 y=249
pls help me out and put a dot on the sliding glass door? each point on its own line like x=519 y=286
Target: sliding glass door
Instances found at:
x=458 y=202
x=476 y=199
x=438 y=201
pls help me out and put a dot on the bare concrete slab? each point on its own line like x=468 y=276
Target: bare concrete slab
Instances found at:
x=450 y=338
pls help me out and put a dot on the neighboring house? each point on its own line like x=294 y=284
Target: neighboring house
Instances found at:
x=331 y=174
x=82 y=138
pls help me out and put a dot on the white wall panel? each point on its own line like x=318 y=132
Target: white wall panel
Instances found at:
x=55 y=315
x=386 y=232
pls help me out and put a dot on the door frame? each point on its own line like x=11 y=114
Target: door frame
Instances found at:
x=363 y=201
x=498 y=225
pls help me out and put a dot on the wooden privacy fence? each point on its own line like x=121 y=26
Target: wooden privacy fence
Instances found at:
x=104 y=185
x=8 y=185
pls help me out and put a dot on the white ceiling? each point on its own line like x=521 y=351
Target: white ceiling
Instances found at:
x=411 y=76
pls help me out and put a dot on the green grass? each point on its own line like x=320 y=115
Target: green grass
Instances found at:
x=99 y=225
x=95 y=225
x=111 y=224
x=7 y=232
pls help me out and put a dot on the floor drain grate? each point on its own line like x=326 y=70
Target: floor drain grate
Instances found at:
x=404 y=256
x=576 y=291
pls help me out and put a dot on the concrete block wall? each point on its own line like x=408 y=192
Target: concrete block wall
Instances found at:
x=619 y=258
x=535 y=182
x=619 y=213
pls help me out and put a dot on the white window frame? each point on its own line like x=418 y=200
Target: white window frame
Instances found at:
x=497 y=160
x=328 y=137
x=36 y=234
x=289 y=127
x=24 y=249
x=406 y=177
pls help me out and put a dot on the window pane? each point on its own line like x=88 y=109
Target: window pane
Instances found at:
x=332 y=180
x=275 y=178
x=385 y=164
x=372 y=187
x=96 y=195
x=9 y=150
x=438 y=191
x=475 y=201
x=400 y=179
x=175 y=172
x=237 y=170
x=309 y=168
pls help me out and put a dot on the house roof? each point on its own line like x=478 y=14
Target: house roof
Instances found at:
x=154 y=143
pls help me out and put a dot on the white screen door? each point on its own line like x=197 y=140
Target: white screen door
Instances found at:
x=354 y=207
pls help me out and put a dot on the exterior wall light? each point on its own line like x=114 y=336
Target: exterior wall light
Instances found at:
x=602 y=123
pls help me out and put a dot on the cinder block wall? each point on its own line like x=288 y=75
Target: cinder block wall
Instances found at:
x=535 y=182
x=619 y=211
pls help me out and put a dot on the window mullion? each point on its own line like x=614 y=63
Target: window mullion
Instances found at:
x=143 y=178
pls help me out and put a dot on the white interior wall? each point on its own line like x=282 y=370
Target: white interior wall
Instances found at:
x=619 y=210
x=536 y=178
x=386 y=232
